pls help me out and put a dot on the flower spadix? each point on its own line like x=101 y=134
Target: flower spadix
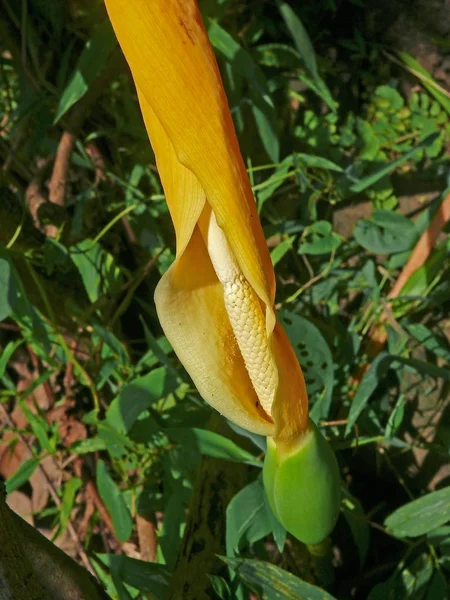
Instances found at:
x=215 y=303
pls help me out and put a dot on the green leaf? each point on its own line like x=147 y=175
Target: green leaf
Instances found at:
x=369 y=180
x=319 y=238
x=22 y=475
x=70 y=491
x=410 y=582
x=418 y=285
x=390 y=94
x=259 y=95
x=315 y=358
x=97 y=268
x=266 y=125
x=142 y=575
x=137 y=396
x=94 y=444
x=387 y=232
x=7 y=290
x=212 y=444
x=7 y=352
x=272 y=583
x=377 y=371
x=111 y=345
x=114 y=502
x=416 y=576
x=172 y=530
x=428 y=339
x=318 y=162
x=115 y=441
x=277 y=55
x=39 y=427
x=358 y=523
x=283 y=248
x=306 y=51
x=369 y=382
x=438 y=588
x=396 y=417
x=258 y=440
x=424 y=368
x=427 y=80
x=249 y=517
x=272 y=183
x=90 y=64
x=420 y=516
x=220 y=587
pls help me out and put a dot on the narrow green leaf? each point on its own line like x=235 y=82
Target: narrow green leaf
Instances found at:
x=369 y=382
x=266 y=126
x=396 y=417
x=174 y=517
x=318 y=162
x=227 y=46
x=272 y=183
x=438 y=588
x=111 y=343
x=97 y=268
x=22 y=475
x=70 y=491
x=91 y=62
x=94 y=444
x=425 y=368
x=358 y=523
x=259 y=95
x=319 y=238
x=277 y=55
x=427 y=80
x=212 y=444
x=39 y=427
x=114 y=502
x=369 y=180
x=137 y=396
x=420 y=516
x=220 y=587
x=315 y=358
x=6 y=289
x=283 y=248
x=116 y=442
x=141 y=575
x=304 y=46
x=247 y=517
x=7 y=352
x=436 y=344
x=272 y=583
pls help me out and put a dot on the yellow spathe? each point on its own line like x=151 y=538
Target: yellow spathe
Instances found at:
x=215 y=303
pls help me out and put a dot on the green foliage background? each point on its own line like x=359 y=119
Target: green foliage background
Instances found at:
x=338 y=130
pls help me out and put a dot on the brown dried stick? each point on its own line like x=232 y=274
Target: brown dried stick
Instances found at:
x=419 y=255
x=147 y=538
x=58 y=180
x=423 y=247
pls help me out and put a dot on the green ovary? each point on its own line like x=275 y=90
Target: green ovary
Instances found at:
x=303 y=486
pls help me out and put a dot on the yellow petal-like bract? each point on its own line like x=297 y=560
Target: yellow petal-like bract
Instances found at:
x=215 y=303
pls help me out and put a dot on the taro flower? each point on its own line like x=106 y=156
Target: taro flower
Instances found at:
x=216 y=301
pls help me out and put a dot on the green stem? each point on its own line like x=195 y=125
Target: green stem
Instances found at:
x=321 y=560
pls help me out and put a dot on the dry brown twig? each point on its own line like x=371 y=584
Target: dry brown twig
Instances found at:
x=147 y=538
x=57 y=184
x=419 y=255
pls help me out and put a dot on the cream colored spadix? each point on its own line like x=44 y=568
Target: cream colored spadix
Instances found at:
x=246 y=316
